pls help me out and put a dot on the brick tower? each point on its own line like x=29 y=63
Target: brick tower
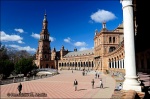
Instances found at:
x=43 y=54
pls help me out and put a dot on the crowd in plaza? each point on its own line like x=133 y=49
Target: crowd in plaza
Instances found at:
x=97 y=76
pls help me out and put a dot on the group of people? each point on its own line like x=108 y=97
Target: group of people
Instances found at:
x=93 y=82
x=75 y=83
x=97 y=75
x=84 y=73
x=100 y=83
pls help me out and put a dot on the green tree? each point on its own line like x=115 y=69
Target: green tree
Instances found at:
x=3 y=53
x=24 y=66
x=6 y=67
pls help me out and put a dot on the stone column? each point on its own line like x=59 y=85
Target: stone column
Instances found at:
x=94 y=63
x=122 y=64
x=119 y=65
x=131 y=82
x=80 y=65
x=114 y=63
x=88 y=65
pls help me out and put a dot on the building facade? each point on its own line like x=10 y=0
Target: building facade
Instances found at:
x=120 y=50
x=108 y=52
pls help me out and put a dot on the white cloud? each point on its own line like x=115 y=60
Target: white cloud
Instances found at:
x=20 y=42
x=27 y=48
x=37 y=36
x=6 y=37
x=102 y=15
x=67 y=40
x=83 y=48
x=52 y=39
x=80 y=44
x=19 y=30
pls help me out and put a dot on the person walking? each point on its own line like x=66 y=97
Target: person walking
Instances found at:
x=83 y=73
x=75 y=84
x=98 y=76
x=19 y=88
x=120 y=87
x=93 y=83
x=101 y=83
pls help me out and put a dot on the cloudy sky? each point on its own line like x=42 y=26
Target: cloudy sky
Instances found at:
x=70 y=23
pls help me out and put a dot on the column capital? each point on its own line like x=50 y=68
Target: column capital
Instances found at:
x=126 y=3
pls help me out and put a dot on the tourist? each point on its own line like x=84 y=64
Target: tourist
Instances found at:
x=19 y=88
x=120 y=87
x=98 y=76
x=93 y=83
x=101 y=83
x=75 y=84
x=83 y=73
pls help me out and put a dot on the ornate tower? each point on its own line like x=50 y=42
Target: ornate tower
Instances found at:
x=53 y=54
x=43 y=55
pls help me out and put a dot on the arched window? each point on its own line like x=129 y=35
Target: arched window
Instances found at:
x=59 y=64
x=112 y=49
x=110 y=40
x=113 y=39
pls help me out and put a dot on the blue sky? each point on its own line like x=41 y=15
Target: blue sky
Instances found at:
x=70 y=23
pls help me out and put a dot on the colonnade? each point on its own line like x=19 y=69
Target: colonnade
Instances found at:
x=116 y=64
x=77 y=65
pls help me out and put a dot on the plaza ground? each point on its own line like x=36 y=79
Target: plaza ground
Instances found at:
x=61 y=86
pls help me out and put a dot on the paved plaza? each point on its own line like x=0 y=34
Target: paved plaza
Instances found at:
x=61 y=86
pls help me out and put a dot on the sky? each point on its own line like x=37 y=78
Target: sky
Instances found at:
x=71 y=23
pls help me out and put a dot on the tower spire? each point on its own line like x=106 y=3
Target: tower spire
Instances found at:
x=45 y=22
x=45 y=16
x=104 y=24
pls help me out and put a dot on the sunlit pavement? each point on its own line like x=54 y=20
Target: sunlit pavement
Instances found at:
x=61 y=86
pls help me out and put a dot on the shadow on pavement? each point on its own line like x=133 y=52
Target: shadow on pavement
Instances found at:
x=81 y=89
x=101 y=88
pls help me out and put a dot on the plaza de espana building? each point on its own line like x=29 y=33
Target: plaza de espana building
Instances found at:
x=108 y=52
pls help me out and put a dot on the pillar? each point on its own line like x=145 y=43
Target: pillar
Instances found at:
x=122 y=64
x=131 y=82
x=114 y=63
x=119 y=65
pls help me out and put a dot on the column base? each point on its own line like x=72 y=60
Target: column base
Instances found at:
x=131 y=83
x=132 y=87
